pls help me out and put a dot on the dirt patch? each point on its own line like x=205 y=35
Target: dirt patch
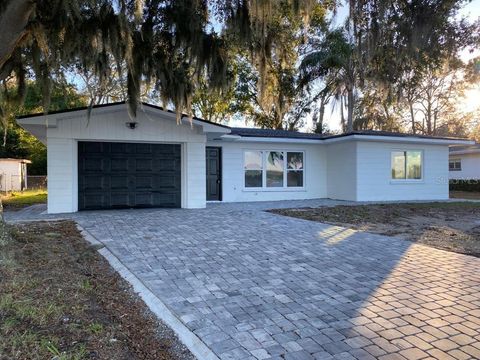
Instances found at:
x=60 y=299
x=449 y=226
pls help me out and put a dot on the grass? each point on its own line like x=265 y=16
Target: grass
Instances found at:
x=60 y=299
x=19 y=200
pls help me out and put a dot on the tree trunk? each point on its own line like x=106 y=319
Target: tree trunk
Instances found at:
x=321 y=113
x=412 y=117
x=350 y=110
x=342 y=115
x=429 y=120
x=13 y=22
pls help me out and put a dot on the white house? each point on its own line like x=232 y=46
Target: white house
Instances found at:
x=464 y=162
x=13 y=174
x=113 y=161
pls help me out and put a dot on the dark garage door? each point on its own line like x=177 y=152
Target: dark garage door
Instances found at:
x=127 y=175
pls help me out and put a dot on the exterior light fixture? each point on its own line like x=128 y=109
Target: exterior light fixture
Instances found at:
x=131 y=125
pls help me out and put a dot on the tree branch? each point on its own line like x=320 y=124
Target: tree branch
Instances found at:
x=13 y=23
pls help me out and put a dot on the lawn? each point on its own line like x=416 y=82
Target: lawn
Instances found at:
x=19 y=200
x=59 y=299
x=451 y=226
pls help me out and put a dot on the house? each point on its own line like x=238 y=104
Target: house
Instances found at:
x=464 y=162
x=13 y=174
x=113 y=161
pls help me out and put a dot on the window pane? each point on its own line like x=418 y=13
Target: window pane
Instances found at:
x=295 y=178
x=414 y=164
x=398 y=165
x=451 y=166
x=253 y=178
x=275 y=169
x=253 y=160
x=295 y=160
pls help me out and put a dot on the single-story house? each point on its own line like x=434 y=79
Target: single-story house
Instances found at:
x=13 y=174
x=113 y=161
x=464 y=162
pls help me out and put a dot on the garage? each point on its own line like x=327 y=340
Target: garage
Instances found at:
x=114 y=175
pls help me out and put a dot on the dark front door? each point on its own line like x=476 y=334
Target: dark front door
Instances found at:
x=214 y=173
x=128 y=175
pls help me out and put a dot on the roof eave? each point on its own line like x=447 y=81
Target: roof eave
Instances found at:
x=400 y=139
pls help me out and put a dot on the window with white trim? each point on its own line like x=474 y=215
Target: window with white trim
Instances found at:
x=407 y=165
x=455 y=165
x=273 y=169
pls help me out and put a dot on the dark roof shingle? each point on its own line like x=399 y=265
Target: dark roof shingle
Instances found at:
x=253 y=132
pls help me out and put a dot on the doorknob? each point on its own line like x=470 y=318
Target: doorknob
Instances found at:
x=218 y=181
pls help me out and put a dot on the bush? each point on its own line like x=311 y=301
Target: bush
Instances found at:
x=472 y=185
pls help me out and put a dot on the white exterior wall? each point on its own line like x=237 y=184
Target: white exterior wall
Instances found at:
x=110 y=126
x=342 y=170
x=194 y=193
x=10 y=172
x=374 y=181
x=233 y=189
x=470 y=167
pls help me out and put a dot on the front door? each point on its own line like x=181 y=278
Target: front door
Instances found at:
x=214 y=173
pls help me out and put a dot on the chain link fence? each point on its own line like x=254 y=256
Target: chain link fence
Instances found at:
x=9 y=183
x=37 y=182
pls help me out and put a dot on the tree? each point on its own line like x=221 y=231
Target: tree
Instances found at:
x=392 y=44
x=20 y=144
x=234 y=101
x=330 y=62
x=169 y=44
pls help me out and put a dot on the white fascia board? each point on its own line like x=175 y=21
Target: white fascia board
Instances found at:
x=400 y=139
x=46 y=120
x=465 y=152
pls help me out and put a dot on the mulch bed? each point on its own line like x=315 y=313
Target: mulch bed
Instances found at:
x=60 y=299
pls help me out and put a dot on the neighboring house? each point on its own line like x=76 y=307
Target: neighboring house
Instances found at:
x=464 y=162
x=113 y=161
x=13 y=174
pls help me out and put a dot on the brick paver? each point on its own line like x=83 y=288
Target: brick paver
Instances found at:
x=254 y=285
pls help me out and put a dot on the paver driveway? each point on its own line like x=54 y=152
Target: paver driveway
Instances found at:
x=252 y=284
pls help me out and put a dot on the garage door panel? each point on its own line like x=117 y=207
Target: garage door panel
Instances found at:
x=94 y=183
x=119 y=164
x=119 y=182
x=144 y=165
x=125 y=175
x=119 y=200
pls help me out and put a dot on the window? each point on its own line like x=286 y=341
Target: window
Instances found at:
x=295 y=169
x=455 y=165
x=406 y=165
x=253 y=168
x=274 y=169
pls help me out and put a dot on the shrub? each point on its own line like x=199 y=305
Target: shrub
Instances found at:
x=472 y=185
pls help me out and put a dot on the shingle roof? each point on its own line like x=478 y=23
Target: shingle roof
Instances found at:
x=252 y=132
x=269 y=133
x=389 y=133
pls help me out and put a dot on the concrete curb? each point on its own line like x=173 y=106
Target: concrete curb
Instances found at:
x=187 y=337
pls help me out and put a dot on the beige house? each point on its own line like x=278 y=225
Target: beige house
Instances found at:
x=13 y=174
